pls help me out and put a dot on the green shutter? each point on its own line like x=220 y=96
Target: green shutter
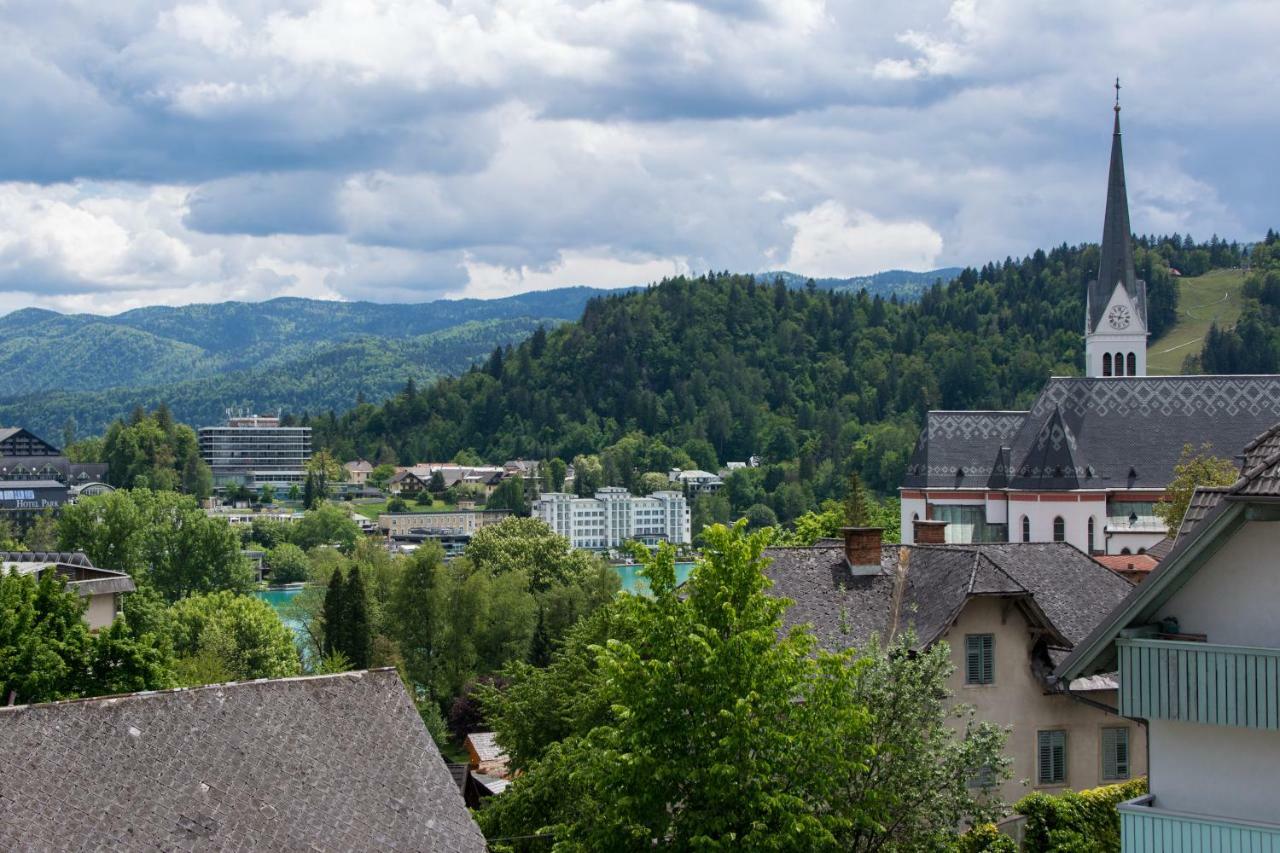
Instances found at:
x=1115 y=753
x=1052 y=752
x=979 y=659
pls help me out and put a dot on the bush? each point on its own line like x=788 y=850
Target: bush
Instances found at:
x=985 y=838
x=1077 y=820
x=397 y=505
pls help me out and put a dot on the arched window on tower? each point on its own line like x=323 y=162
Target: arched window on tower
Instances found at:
x=1091 y=549
x=1106 y=364
x=1026 y=529
x=1119 y=364
x=1132 y=365
x=1059 y=529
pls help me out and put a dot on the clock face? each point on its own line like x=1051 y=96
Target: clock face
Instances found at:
x=1118 y=317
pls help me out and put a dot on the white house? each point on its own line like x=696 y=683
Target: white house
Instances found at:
x=1197 y=646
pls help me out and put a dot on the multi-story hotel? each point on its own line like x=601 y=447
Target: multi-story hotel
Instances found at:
x=615 y=516
x=256 y=451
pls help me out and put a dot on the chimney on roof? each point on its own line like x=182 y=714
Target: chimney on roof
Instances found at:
x=862 y=549
x=927 y=531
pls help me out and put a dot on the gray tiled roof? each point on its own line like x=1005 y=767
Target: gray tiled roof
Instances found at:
x=1202 y=502
x=1057 y=582
x=1112 y=433
x=326 y=763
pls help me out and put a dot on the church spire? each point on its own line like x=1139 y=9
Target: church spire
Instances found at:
x=1116 y=261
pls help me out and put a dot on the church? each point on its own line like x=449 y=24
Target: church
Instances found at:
x=1090 y=459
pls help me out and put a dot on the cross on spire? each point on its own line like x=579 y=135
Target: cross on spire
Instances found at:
x=1117 y=94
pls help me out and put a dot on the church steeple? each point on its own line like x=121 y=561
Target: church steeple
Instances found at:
x=1117 y=298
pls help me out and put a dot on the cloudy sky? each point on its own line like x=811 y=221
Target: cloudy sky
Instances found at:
x=404 y=150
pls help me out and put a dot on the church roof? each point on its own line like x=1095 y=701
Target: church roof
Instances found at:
x=1112 y=433
x=1116 y=258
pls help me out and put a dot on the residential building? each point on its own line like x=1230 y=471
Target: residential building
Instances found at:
x=256 y=451
x=1092 y=456
x=358 y=471
x=695 y=481
x=1008 y=613
x=25 y=456
x=417 y=478
x=1197 y=646
x=104 y=588
x=335 y=762
x=615 y=516
x=466 y=521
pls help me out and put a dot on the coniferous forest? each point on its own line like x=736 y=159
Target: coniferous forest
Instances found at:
x=704 y=371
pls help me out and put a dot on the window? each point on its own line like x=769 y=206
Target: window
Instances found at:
x=1106 y=364
x=983 y=777
x=1051 y=749
x=1115 y=753
x=1119 y=364
x=1091 y=534
x=979 y=659
x=1132 y=365
x=1059 y=529
x=1026 y=529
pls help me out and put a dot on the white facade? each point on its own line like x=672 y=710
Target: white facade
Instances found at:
x=1118 y=346
x=255 y=452
x=615 y=516
x=696 y=480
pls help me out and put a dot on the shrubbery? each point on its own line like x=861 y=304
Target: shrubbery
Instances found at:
x=1077 y=820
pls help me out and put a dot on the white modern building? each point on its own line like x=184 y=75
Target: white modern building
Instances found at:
x=256 y=451
x=615 y=516
x=695 y=481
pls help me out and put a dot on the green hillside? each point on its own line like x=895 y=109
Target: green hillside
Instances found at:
x=1202 y=300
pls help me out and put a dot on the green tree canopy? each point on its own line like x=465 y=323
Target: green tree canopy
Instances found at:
x=288 y=563
x=690 y=720
x=527 y=545
x=1193 y=469
x=327 y=524
x=242 y=633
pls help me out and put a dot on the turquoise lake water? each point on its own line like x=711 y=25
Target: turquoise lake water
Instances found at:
x=633 y=582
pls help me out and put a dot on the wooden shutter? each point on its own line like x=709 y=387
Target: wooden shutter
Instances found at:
x=979 y=659
x=1052 y=754
x=1115 y=753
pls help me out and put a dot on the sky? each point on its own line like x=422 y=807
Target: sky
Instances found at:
x=408 y=150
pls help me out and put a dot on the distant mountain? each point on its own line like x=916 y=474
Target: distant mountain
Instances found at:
x=904 y=284
x=294 y=354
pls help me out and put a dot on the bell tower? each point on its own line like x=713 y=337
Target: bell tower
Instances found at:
x=1115 y=332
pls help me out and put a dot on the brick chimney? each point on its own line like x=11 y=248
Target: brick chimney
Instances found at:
x=862 y=548
x=929 y=532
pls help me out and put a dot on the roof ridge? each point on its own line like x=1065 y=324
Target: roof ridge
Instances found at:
x=170 y=691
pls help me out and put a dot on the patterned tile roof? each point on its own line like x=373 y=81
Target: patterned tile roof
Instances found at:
x=1096 y=424
x=325 y=763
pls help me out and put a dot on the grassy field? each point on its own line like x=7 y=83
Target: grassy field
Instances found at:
x=1201 y=300
x=371 y=509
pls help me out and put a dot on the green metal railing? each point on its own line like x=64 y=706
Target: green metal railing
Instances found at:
x=1200 y=683
x=1147 y=829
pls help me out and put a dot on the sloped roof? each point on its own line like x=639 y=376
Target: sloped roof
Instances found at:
x=329 y=762
x=486 y=746
x=1102 y=417
x=1058 y=584
x=1213 y=513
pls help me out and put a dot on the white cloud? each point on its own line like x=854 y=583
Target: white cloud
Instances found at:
x=486 y=281
x=832 y=242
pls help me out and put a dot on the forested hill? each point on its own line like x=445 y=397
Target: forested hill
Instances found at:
x=719 y=368
x=295 y=354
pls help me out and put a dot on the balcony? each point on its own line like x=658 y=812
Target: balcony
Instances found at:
x=1200 y=683
x=1145 y=828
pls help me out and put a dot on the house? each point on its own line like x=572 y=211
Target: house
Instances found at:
x=102 y=587
x=358 y=471
x=487 y=757
x=337 y=762
x=1091 y=457
x=695 y=481
x=1132 y=567
x=1197 y=646
x=1008 y=612
x=408 y=482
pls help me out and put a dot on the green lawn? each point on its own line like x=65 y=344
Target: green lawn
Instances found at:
x=1201 y=300
x=371 y=509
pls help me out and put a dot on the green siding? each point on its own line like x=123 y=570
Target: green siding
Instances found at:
x=1200 y=683
x=1144 y=829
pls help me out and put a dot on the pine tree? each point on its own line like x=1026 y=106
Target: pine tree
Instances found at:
x=857 y=511
x=540 y=646
x=334 y=613
x=356 y=632
x=309 y=492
